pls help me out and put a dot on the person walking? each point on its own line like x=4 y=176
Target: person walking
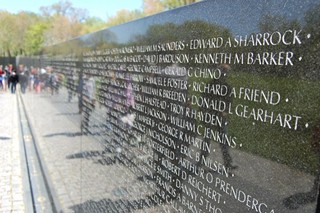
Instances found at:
x=2 y=74
x=23 y=80
x=14 y=79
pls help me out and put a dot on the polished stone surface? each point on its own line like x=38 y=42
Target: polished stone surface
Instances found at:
x=210 y=107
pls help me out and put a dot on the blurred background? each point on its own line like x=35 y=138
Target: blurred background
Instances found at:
x=27 y=26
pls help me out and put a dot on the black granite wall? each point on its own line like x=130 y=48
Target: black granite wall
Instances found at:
x=212 y=107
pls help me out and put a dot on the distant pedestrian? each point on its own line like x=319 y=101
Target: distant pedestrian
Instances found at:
x=80 y=93
x=53 y=83
x=23 y=80
x=14 y=79
x=6 y=77
x=71 y=85
x=32 y=78
x=2 y=75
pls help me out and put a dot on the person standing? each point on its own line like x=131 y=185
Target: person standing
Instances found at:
x=14 y=79
x=23 y=79
x=70 y=85
x=89 y=100
x=2 y=74
x=53 y=82
x=6 y=78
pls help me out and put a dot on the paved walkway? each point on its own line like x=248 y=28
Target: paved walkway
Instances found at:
x=11 y=181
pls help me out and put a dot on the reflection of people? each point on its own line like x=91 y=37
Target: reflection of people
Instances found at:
x=70 y=85
x=223 y=129
x=129 y=96
x=88 y=99
x=2 y=85
x=53 y=83
x=129 y=116
x=80 y=92
x=225 y=69
x=294 y=201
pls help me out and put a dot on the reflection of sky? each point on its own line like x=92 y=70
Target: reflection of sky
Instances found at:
x=239 y=16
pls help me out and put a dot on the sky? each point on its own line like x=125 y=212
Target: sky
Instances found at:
x=97 y=8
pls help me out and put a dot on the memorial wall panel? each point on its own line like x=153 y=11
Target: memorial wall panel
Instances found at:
x=212 y=107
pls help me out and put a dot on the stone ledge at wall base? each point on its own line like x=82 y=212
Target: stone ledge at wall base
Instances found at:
x=212 y=107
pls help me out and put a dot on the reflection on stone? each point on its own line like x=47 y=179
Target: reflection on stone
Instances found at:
x=67 y=134
x=300 y=199
x=208 y=111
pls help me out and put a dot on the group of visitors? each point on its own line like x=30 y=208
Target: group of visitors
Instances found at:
x=8 y=78
x=31 y=79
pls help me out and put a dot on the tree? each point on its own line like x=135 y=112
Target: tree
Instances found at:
x=26 y=33
x=22 y=22
x=123 y=16
x=66 y=22
x=171 y=4
x=151 y=7
x=92 y=24
x=34 y=40
x=7 y=28
x=65 y=8
x=61 y=29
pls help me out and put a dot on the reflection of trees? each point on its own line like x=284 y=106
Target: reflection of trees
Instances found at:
x=308 y=50
x=312 y=26
x=268 y=77
x=188 y=30
x=289 y=78
x=165 y=34
x=269 y=24
x=297 y=82
x=99 y=40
